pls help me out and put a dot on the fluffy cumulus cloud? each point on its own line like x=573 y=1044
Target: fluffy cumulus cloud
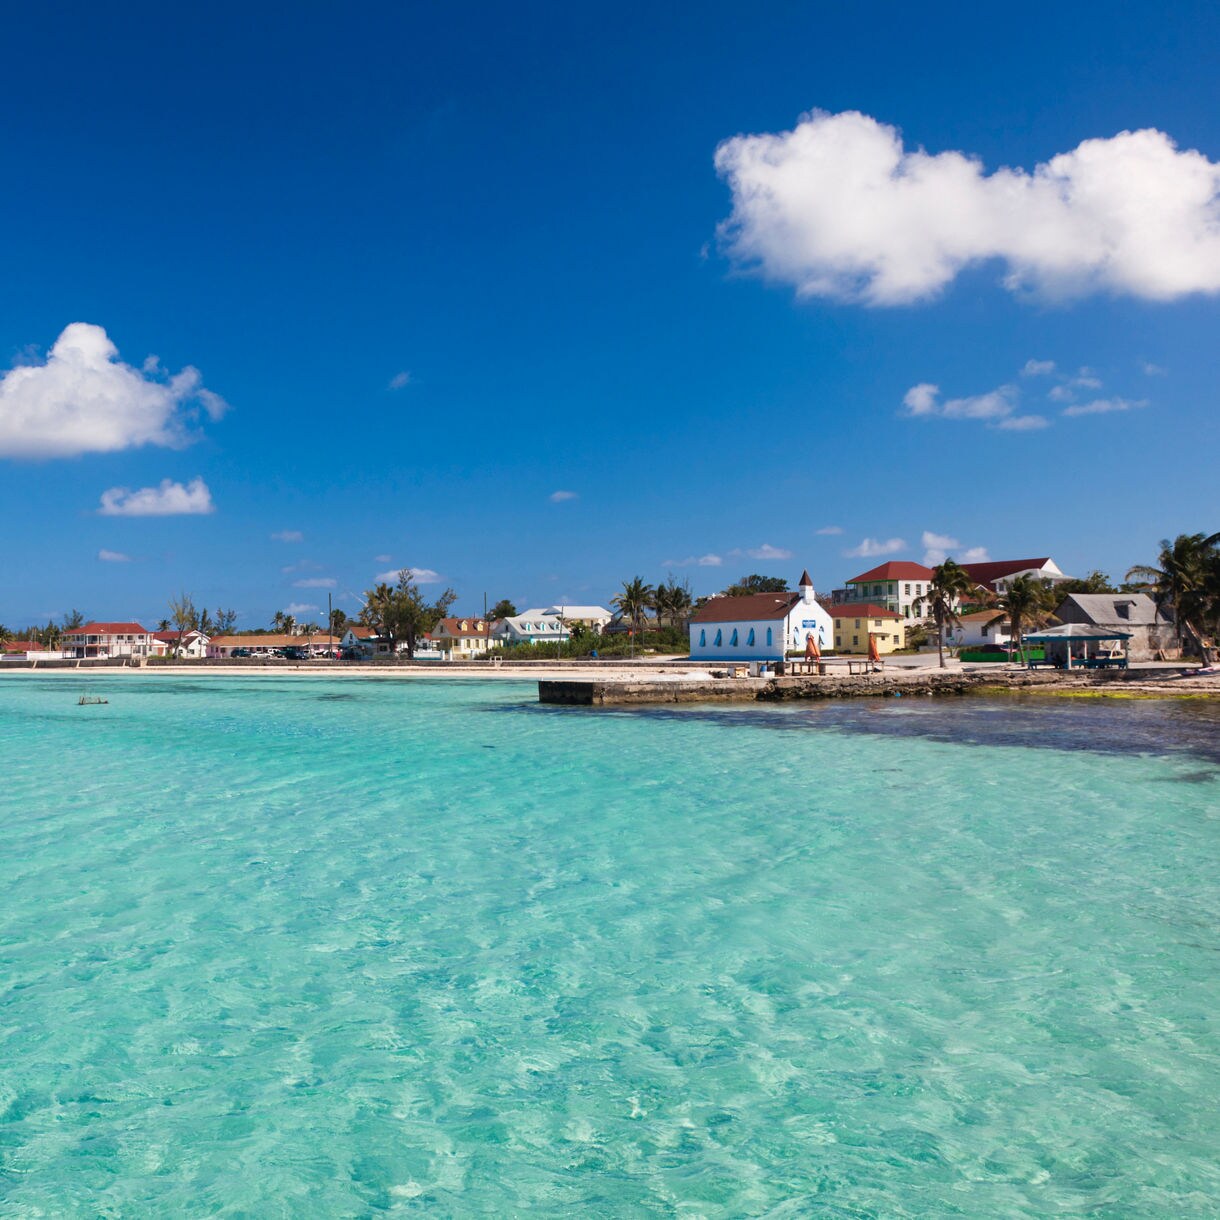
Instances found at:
x=168 y=499
x=938 y=548
x=84 y=399
x=873 y=548
x=421 y=576
x=995 y=407
x=113 y=556
x=695 y=561
x=839 y=207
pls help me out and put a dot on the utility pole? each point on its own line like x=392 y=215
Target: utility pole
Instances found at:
x=330 y=628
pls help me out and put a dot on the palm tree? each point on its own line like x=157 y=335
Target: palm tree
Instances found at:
x=634 y=601
x=949 y=587
x=277 y=621
x=1026 y=601
x=1187 y=580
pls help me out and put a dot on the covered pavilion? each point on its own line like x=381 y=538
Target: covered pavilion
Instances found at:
x=1079 y=646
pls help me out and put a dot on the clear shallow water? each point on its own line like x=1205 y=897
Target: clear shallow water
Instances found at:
x=338 y=948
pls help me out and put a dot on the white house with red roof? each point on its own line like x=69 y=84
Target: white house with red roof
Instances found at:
x=896 y=585
x=107 y=640
x=998 y=574
x=759 y=626
x=193 y=644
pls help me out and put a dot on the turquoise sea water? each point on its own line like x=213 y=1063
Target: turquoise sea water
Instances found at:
x=337 y=948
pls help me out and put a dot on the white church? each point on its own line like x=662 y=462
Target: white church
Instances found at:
x=759 y=626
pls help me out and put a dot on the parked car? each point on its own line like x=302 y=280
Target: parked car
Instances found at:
x=294 y=653
x=241 y=652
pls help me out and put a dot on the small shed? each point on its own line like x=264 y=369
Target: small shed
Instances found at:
x=1083 y=646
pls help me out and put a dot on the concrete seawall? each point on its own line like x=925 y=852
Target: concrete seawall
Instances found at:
x=595 y=692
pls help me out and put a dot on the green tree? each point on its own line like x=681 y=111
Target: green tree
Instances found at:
x=672 y=601
x=1026 y=601
x=224 y=622
x=277 y=621
x=401 y=613
x=757 y=584
x=634 y=602
x=338 y=622
x=1186 y=578
x=73 y=619
x=501 y=610
x=949 y=587
x=183 y=616
x=1095 y=582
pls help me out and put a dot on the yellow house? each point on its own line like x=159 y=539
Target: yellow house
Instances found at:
x=855 y=622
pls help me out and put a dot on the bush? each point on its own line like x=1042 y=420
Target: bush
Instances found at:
x=668 y=640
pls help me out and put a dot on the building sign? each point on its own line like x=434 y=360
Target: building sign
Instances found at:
x=808 y=622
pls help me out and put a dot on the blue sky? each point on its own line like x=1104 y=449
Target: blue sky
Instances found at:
x=433 y=266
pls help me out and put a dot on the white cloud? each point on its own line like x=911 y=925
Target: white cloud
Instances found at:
x=838 y=207
x=1038 y=368
x=995 y=404
x=315 y=582
x=694 y=561
x=83 y=399
x=1024 y=423
x=558 y=497
x=113 y=556
x=870 y=548
x=1151 y=370
x=421 y=576
x=1061 y=393
x=169 y=499
x=400 y=380
x=1104 y=406
x=381 y=558
x=767 y=551
x=923 y=401
x=297 y=608
x=829 y=530
x=938 y=548
x=288 y=536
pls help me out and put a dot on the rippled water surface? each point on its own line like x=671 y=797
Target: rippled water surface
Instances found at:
x=320 y=947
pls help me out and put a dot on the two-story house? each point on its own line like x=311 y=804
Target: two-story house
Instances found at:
x=107 y=640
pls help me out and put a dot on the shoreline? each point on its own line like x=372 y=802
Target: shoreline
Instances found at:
x=661 y=682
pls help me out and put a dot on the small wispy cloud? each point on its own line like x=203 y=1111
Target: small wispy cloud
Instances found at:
x=315 y=582
x=767 y=551
x=400 y=380
x=872 y=548
x=288 y=536
x=168 y=499
x=113 y=556
x=297 y=608
x=829 y=530
x=1151 y=370
x=1038 y=368
x=381 y=558
x=1024 y=423
x=558 y=497
x=421 y=576
x=1104 y=406
x=695 y=561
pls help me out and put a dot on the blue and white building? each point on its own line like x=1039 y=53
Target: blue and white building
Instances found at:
x=759 y=626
